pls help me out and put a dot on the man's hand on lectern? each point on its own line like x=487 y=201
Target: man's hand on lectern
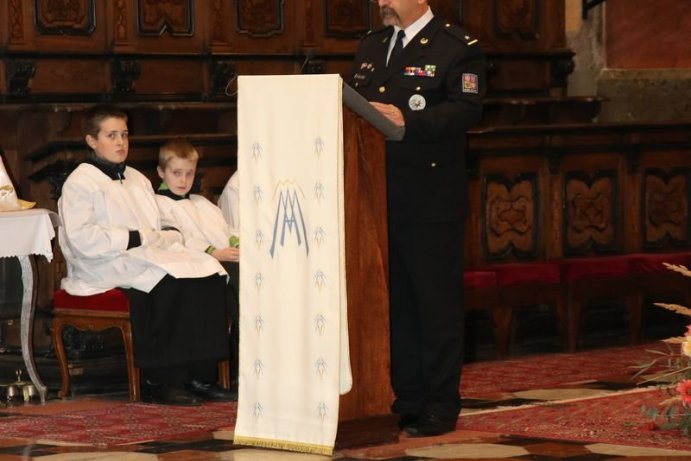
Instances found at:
x=391 y=112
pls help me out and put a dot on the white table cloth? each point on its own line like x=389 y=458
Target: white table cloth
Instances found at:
x=23 y=234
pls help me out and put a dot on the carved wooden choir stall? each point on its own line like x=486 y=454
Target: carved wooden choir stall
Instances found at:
x=563 y=209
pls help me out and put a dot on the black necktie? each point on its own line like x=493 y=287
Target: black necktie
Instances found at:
x=398 y=46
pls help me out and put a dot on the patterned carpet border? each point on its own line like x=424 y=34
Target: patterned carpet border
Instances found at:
x=549 y=370
x=614 y=419
x=124 y=424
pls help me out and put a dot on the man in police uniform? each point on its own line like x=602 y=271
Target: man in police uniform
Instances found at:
x=433 y=87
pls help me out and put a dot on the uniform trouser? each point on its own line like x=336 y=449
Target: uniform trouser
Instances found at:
x=426 y=292
x=179 y=329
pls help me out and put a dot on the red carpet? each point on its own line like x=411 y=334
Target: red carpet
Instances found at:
x=121 y=424
x=127 y=423
x=615 y=419
x=540 y=371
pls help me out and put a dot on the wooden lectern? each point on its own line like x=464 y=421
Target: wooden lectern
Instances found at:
x=365 y=412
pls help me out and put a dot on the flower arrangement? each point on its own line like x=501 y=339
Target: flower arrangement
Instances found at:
x=673 y=366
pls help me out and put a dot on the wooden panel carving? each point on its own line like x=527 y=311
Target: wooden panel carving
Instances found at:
x=665 y=208
x=347 y=18
x=591 y=215
x=223 y=74
x=217 y=21
x=18 y=74
x=260 y=18
x=154 y=17
x=120 y=20
x=67 y=17
x=511 y=226
x=517 y=18
x=16 y=26
x=123 y=75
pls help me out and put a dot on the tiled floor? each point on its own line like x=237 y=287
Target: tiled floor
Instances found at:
x=465 y=445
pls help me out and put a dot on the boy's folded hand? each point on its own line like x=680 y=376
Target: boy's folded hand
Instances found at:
x=226 y=254
x=160 y=238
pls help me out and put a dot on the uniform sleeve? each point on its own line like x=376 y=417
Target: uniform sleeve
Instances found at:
x=85 y=236
x=461 y=109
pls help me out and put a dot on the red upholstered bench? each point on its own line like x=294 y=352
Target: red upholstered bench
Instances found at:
x=649 y=263
x=527 y=283
x=518 y=284
x=480 y=293
x=652 y=278
x=110 y=309
x=479 y=280
x=590 y=278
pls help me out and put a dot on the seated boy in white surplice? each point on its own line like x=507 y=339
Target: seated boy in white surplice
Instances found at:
x=200 y=221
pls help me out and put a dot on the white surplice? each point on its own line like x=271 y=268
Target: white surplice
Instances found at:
x=200 y=221
x=98 y=214
x=229 y=201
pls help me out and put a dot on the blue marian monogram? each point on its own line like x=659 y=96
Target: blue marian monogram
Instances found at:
x=289 y=219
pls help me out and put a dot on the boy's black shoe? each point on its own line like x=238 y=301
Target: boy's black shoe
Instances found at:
x=169 y=394
x=211 y=392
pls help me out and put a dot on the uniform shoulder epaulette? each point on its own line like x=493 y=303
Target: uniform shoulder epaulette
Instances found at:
x=459 y=33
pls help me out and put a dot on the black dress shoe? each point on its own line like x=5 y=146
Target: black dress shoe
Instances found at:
x=408 y=419
x=169 y=394
x=430 y=424
x=211 y=391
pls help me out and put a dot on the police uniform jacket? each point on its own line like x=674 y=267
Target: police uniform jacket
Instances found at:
x=437 y=81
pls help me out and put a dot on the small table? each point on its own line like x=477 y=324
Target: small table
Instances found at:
x=23 y=234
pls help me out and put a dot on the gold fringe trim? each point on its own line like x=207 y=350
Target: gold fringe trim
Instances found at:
x=284 y=445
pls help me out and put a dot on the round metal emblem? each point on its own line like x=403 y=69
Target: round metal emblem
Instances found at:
x=417 y=102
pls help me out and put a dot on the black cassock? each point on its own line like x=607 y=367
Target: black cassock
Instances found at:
x=180 y=328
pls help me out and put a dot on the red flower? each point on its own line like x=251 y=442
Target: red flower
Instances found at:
x=648 y=426
x=684 y=389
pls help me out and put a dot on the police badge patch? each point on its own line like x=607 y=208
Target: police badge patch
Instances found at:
x=470 y=83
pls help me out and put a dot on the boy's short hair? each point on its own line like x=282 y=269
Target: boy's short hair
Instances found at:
x=93 y=117
x=177 y=148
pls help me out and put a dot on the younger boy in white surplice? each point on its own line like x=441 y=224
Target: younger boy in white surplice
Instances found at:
x=200 y=221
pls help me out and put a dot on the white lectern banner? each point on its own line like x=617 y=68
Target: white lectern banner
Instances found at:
x=294 y=358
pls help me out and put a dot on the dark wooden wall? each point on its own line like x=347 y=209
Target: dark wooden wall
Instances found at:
x=545 y=193
x=172 y=63
x=648 y=35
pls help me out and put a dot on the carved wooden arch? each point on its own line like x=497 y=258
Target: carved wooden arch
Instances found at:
x=347 y=18
x=260 y=18
x=155 y=17
x=665 y=208
x=592 y=213
x=511 y=226
x=65 y=17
